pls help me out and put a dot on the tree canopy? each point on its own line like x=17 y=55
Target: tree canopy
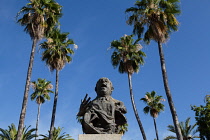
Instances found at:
x=202 y=116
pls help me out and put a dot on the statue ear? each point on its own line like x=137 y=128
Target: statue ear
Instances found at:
x=112 y=88
x=96 y=89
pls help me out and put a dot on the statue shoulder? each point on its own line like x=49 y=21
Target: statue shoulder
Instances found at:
x=116 y=101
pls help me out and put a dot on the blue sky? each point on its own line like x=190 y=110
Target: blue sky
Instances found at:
x=93 y=25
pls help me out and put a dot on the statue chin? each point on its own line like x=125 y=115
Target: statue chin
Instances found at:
x=103 y=93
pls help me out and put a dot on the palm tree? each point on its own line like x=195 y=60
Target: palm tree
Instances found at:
x=154 y=107
x=158 y=18
x=38 y=17
x=11 y=133
x=187 y=130
x=56 y=54
x=57 y=135
x=128 y=57
x=41 y=93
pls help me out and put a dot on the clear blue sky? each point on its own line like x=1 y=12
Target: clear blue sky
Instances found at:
x=93 y=25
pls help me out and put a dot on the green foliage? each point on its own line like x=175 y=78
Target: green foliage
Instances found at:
x=11 y=133
x=154 y=105
x=127 y=55
x=202 y=116
x=154 y=19
x=123 y=128
x=56 y=52
x=79 y=119
x=57 y=135
x=187 y=130
x=41 y=90
x=39 y=17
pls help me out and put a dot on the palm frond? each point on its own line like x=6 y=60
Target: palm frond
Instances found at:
x=170 y=138
x=56 y=52
x=39 y=17
x=127 y=55
x=153 y=102
x=187 y=130
x=154 y=19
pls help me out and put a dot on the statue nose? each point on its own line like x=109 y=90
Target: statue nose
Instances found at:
x=104 y=84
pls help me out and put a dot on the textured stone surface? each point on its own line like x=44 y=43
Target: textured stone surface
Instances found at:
x=100 y=137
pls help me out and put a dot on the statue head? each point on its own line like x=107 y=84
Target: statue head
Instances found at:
x=104 y=87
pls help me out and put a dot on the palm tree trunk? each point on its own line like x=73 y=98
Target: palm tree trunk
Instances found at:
x=37 y=121
x=134 y=108
x=156 y=131
x=54 y=107
x=168 y=93
x=25 y=97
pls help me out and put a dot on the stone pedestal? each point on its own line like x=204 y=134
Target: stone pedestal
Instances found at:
x=100 y=137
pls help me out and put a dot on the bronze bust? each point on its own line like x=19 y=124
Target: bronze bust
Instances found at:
x=104 y=114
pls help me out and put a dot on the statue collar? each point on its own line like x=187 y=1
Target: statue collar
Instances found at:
x=104 y=98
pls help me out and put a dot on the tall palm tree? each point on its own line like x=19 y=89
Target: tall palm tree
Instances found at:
x=187 y=130
x=128 y=57
x=57 y=135
x=154 y=106
x=155 y=19
x=38 y=17
x=11 y=133
x=41 y=93
x=56 y=54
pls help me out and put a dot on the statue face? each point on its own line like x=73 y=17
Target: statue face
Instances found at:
x=104 y=87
